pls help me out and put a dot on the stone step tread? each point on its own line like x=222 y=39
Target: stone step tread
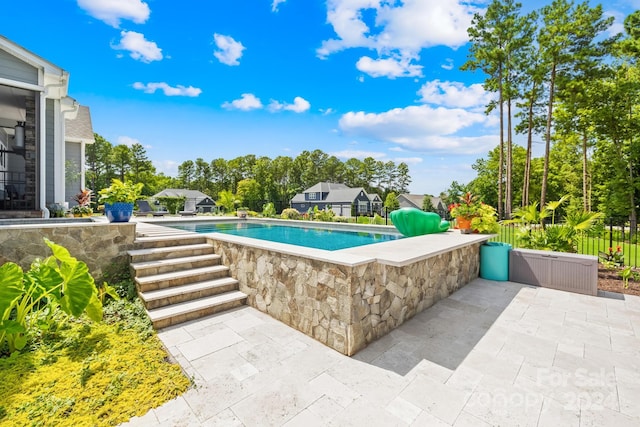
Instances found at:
x=161 y=313
x=188 y=288
x=165 y=249
x=177 y=239
x=181 y=274
x=174 y=261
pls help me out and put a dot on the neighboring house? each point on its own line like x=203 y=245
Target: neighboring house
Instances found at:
x=342 y=200
x=376 y=203
x=43 y=133
x=203 y=203
x=415 y=201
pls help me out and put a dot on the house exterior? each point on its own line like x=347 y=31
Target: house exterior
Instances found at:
x=43 y=134
x=415 y=201
x=376 y=203
x=342 y=200
x=202 y=202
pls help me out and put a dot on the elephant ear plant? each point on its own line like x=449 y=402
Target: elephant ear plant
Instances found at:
x=51 y=290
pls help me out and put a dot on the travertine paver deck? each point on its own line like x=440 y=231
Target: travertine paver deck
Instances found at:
x=493 y=353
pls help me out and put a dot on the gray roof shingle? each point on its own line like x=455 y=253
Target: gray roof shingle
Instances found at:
x=80 y=128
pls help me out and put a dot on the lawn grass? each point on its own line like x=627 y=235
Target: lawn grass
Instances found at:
x=89 y=374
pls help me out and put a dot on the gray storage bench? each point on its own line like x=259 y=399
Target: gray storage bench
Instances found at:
x=556 y=270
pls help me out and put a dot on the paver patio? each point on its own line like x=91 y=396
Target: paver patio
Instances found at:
x=493 y=353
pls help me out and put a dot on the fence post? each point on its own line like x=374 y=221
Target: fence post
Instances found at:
x=611 y=232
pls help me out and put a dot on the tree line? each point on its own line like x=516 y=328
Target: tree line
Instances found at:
x=556 y=72
x=253 y=180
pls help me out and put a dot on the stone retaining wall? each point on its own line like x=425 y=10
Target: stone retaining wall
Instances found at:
x=97 y=244
x=345 y=306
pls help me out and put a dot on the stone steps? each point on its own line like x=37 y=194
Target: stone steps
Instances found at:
x=153 y=254
x=170 y=265
x=179 y=277
x=191 y=291
x=191 y=310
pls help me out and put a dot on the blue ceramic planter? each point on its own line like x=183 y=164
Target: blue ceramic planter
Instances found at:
x=118 y=212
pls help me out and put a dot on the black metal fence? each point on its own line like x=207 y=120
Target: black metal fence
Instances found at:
x=613 y=236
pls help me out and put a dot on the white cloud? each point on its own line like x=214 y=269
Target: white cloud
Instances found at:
x=140 y=49
x=300 y=105
x=229 y=50
x=419 y=128
x=408 y=160
x=327 y=111
x=127 y=140
x=618 y=23
x=178 y=90
x=405 y=27
x=390 y=67
x=168 y=167
x=454 y=94
x=275 y=4
x=247 y=101
x=358 y=154
x=448 y=65
x=112 y=11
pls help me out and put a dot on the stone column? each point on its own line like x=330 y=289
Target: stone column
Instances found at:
x=30 y=155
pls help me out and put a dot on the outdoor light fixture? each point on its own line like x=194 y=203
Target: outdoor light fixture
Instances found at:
x=18 y=138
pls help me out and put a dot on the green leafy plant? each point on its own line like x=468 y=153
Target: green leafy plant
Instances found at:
x=268 y=210
x=227 y=200
x=324 y=215
x=83 y=208
x=486 y=220
x=173 y=204
x=612 y=259
x=468 y=206
x=118 y=191
x=56 y=210
x=628 y=273
x=534 y=233
x=57 y=286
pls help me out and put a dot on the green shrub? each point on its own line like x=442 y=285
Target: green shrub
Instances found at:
x=173 y=204
x=363 y=220
x=290 y=213
x=325 y=215
x=268 y=210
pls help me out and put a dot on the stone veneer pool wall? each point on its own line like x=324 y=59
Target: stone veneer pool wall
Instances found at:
x=98 y=244
x=340 y=298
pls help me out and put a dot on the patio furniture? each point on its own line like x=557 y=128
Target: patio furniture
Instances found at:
x=189 y=208
x=145 y=209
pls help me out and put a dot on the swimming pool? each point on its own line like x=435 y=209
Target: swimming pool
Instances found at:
x=318 y=238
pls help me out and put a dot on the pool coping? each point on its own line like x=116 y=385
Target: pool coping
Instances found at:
x=397 y=253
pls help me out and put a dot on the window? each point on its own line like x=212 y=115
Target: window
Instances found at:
x=363 y=207
x=313 y=196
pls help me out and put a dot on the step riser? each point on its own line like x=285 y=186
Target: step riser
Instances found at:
x=172 y=268
x=163 y=323
x=165 y=243
x=175 y=299
x=177 y=253
x=168 y=283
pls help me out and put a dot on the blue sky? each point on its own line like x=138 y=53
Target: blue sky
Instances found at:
x=213 y=78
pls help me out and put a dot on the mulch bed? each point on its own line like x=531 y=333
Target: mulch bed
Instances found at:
x=610 y=280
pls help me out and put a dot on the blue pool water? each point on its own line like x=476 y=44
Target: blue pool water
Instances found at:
x=319 y=238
